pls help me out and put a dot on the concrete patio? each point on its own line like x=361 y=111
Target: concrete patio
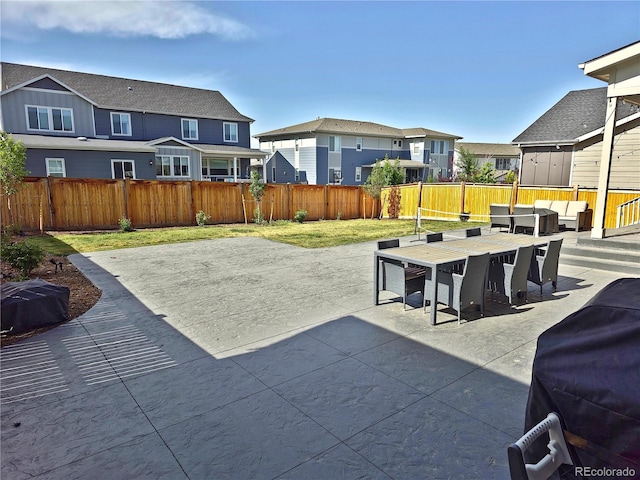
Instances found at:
x=249 y=359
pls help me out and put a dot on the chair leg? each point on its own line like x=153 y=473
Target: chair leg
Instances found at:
x=555 y=286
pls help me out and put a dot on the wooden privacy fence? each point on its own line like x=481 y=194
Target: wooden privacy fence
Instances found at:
x=445 y=201
x=54 y=203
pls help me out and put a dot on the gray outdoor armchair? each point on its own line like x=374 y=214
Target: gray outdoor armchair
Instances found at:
x=544 y=268
x=515 y=274
x=458 y=291
x=499 y=215
x=398 y=278
x=523 y=218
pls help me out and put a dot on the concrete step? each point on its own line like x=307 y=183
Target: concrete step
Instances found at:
x=623 y=267
x=615 y=254
x=630 y=243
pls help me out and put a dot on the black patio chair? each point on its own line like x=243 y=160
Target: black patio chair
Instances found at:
x=399 y=278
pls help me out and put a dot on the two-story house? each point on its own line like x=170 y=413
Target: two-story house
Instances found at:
x=94 y=126
x=336 y=151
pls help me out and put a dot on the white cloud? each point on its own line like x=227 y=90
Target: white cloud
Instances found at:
x=163 y=19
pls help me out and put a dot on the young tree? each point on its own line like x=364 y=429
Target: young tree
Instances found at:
x=467 y=165
x=12 y=167
x=384 y=174
x=257 y=189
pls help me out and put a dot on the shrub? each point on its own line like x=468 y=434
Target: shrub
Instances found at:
x=23 y=256
x=300 y=216
x=201 y=218
x=394 y=202
x=125 y=224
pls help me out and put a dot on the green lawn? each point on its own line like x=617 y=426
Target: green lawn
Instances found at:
x=324 y=233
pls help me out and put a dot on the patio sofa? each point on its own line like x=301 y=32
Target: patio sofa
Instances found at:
x=575 y=215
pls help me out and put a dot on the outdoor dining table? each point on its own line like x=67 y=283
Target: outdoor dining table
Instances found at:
x=439 y=255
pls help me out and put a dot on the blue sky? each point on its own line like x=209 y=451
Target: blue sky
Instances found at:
x=481 y=70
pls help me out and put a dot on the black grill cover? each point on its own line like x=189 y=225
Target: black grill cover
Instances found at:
x=587 y=369
x=33 y=304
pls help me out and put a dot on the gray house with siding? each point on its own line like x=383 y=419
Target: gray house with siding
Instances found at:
x=337 y=151
x=84 y=125
x=563 y=147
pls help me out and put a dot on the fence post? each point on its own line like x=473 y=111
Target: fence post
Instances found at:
x=52 y=211
x=462 y=189
x=290 y=201
x=575 y=192
x=514 y=195
x=125 y=192
x=193 y=204
x=326 y=202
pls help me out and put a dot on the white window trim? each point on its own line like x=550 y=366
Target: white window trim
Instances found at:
x=358 y=144
x=182 y=120
x=111 y=123
x=113 y=169
x=64 y=168
x=50 y=119
x=171 y=165
x=224 y=124
x=358 y=174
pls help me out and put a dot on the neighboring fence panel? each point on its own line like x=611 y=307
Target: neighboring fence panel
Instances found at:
x=221 y=200
x=528 y=195
x=310 y=198
x=30 y=206
x=477 y=199
x=343 y=202
x=157 y=203
x=76 y=203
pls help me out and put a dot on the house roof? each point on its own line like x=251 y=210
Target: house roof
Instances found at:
x=578 y=113
x=82 y=143
x=350 y=127
x=116 y=93
x=490 y=149
x=425 y=132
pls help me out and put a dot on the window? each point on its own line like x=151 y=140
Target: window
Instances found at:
x=358 y=174
x=503 y=164
x=50 y=119
x=172 y=166
x=334 y=144
x=55 y=167
x=335 y=175
x=273 y=174
x=439 y=147
x=358 y=144
x=230 y=132
x=212 y=167
x=121 y=124
x=189 y=129
x=123 y=169
x=416 y=147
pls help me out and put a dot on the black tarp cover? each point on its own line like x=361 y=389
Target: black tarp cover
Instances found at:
x=33 y=304
x=587 y=369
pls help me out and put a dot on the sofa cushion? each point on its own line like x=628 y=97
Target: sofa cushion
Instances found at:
x=560 y=206
x=542 y=204
x=575 y=207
